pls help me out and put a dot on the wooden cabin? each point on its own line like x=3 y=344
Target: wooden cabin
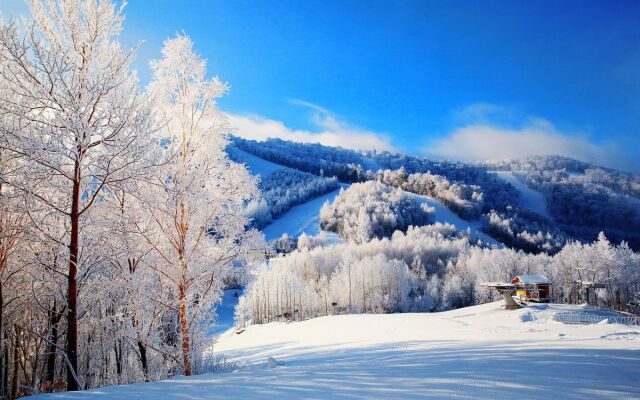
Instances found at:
x=533 y=287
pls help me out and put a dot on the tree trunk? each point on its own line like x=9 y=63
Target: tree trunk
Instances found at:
x=3 y=382
x=51 y=346
x=186 y=358
x=143 y=360
x=14 y=378
x=117 y=348
x=72 y=286
x=5 y=367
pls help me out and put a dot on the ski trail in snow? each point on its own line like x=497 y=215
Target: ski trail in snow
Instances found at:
x=444 y=215
x=529 y=198
x=303 y=218
x=256 y=165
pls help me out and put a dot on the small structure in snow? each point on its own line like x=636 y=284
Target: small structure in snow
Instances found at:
x=586 y=283
x=533 y=287
x=507 y=290
x=527 y=287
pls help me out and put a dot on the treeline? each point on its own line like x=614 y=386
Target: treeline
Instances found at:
x=467 y=201
x=429 y=268
x=524 y=230
x=119 y=208
x=582 y=199
x=350 y=166
x=496 y=193
x=346 y=165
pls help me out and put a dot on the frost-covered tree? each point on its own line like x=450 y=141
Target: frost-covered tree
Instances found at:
x=194 y=203
x=428 y=268
x=73 y=113
x=372 y=209
x=465 y=200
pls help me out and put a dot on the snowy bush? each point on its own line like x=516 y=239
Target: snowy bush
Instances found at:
x=284 y=244
x=210 y=363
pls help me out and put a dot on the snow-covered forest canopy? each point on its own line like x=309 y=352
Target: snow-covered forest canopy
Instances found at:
x=430 y=268
x=372 y=209
x=582 y=199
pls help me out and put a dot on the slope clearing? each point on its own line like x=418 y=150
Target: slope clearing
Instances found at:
x=529 y=198
x=303 y=218
x=445 y=215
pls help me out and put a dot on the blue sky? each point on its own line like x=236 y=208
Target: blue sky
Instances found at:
x=463 y=80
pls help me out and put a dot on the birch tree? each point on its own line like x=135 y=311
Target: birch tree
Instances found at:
x=195 y=201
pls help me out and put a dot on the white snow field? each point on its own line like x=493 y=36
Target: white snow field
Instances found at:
x=303 y=218
x=369 y=164
x=256 y=165
x=445 y=215
x=481 y=352
x=529 y=198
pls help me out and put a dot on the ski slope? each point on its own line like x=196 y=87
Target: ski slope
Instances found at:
x=370 y=164
x=304 y=217
x=481 y=352
x=444 y=215
x=529 y=198
x=256 y=165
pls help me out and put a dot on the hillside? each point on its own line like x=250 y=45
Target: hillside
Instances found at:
x=536 y=205
x=529 y=198
x=475 y=352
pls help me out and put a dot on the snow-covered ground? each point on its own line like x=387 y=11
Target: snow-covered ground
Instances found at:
x=256 y=165
x=444 y=215
x=301 y=218
x=481 y=352
x=529 y=198
x=369 y=164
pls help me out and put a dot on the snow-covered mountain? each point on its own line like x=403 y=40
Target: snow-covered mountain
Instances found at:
x=422 y=235
x=536 y=205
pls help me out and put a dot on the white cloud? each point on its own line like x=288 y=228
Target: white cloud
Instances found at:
x=331 y=131
x=482 y=139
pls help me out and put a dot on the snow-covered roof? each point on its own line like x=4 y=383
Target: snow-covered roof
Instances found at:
x=533 y=279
